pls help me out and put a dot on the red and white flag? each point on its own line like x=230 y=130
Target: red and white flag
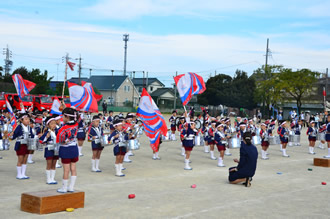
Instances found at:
x=82 y=98
x=23 y=87
x=71 y=65
x=89 y=86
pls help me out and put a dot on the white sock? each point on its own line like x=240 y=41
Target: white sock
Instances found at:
x=52 y=175
x=97 y=162
x=157 y=155
x=93 y=165
x=64 y=186
x=48 y=176
x=312 y=149
x=30 y=157
x=24 y=170
x=212 y=154
x=183 y=151
x=19 y=172
x=72 y=182
x=80 y=149
x=154 y=155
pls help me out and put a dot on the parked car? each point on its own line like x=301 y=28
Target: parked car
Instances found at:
x=42 y=102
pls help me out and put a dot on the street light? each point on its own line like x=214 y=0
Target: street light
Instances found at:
x=125 y=38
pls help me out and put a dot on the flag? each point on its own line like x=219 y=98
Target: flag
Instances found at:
x=152 y=120
x=82 y=98
x=324 y=92
x=189 y=84
x=23 y=87
x=13 y=121
x=89 y=86
x=56 y=107
x=10 y=109
x=71 y=65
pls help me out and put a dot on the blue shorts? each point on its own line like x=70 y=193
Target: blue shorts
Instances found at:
x=69 y=152
x=81 y=136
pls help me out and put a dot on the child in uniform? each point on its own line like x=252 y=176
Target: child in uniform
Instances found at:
x=312 y=133
x=95 y=134
x=188 y=138
x=284 y=136
x=22 y=133
x=51 y=153
x=264 y=134
x=221 y=141
x=68 y=152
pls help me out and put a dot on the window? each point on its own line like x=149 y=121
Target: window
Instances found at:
x=140 y=89
x=126 y=100
x=126 y=88
x=151 y=88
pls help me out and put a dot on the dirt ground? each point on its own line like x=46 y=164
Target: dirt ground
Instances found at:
x=282 y=187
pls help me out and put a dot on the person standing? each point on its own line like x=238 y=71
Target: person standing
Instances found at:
x=69 y=154
x=312 y=133
x=104 y=106
x=327 y=136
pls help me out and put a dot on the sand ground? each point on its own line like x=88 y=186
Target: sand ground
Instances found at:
x=163 y=187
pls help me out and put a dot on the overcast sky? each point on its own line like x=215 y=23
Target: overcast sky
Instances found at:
x=166 y=36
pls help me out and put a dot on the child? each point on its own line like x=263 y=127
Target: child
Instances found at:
x=22 y=132
x=284 y=136
x=312 y=133
x=155 y=151
x=81 y=136
x=51 y=155
x=188 y=137
x=110 y=121
x=221 y=141
x=211 y=132
x=180 y=129
x=204 y=131
x=264 y=134
x=66 y=138
x=59 y=125
x=96 y=133
x=322 y=130
x=327 y=136
x=228 y=131
x=129 y=127
x=173 y=125
x=119 y=138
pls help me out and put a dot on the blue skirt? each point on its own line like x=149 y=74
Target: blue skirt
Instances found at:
x=69 y=152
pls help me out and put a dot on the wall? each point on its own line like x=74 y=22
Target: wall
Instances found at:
x=122 y=95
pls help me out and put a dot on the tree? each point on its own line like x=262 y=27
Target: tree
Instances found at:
x=233 y=92
x=267 y=92
x=297 y=84
x=217 y=91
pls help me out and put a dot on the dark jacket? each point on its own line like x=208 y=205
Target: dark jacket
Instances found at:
x=248 y=160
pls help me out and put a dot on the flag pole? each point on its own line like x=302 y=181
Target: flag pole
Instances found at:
x=65 y=74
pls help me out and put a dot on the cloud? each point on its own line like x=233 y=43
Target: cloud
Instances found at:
x=130 y=9
x=160 y=55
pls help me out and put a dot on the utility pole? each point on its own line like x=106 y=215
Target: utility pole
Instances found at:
x=267 y=50
x=112 y=86
x=66 y=72
x=176 y=74
x=79 y=68
x=133 y=73
x=125 y=38
x=90 y=73
x=8 y=62
x=326 y=89
x=144 y=85
x=147 y=82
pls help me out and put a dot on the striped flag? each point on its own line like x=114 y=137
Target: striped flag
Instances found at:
x=71 y=65
x=89 y=86
x=56 y=107
x=23 y=87
x=152 y=120
x=189 y=84
x=82 y=98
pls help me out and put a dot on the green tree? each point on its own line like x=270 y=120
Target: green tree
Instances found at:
x=218 y=91
x=233 y=92
x=267 y=92
x=297 y=84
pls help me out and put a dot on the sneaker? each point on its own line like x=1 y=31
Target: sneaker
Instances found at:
x=30 y=162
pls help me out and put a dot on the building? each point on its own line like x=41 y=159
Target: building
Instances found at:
x=164 y=97
x=153 y=84
x=116 y=90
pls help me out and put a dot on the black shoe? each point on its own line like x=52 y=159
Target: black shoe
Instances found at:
x=247 y=182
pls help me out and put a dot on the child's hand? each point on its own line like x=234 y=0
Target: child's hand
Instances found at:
x=236 y=160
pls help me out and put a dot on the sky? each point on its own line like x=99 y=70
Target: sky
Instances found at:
x=207 y=37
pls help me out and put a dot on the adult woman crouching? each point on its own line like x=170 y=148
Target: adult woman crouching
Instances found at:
x=247 y=163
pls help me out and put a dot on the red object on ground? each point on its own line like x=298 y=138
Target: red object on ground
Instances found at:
x=131 y=196
x=324 y=183
x=193 y=186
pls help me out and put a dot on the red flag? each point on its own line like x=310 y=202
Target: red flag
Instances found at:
x=23 y=86
x=71 y=65
x=324 y=92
